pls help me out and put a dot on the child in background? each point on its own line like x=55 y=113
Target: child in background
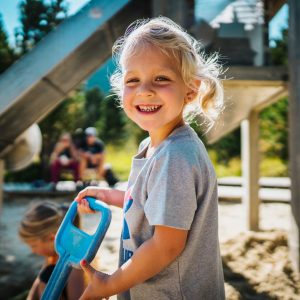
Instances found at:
x=169 y=243
x=37 y=229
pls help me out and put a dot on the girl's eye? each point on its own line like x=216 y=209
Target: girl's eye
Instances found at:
x=161 y=78
x=132 y=80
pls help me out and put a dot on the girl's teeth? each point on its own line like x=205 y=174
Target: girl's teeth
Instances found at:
x=149 y=108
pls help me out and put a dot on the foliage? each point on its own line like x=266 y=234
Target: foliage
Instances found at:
x=7 y=55
x=273 y=167
x=274 y=130
x=112 y=124
x=279 y=51
x=38 y=18
x=228 y=147
x=92 y=107
x=120 y=157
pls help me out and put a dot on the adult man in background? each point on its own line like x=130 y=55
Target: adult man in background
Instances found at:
x=92 y=156
x=92 y=153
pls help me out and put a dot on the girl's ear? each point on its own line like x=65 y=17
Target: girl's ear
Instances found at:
x=192 y=91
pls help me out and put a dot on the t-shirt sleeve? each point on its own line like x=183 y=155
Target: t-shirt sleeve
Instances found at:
x=45 y=273
x=171 y=188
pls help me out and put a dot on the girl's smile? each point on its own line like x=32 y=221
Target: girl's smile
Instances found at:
x=148 y=109
x=154 y=92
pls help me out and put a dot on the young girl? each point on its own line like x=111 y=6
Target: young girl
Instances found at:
x=37 y=229
x=169 y=244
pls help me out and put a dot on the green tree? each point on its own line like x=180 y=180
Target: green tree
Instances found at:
x=92 y=106
x=274 y=130
x=38 y=18
x=228 y=147
x=274 y=119
x=7 y=55
x=279 y=51
x=112 y=124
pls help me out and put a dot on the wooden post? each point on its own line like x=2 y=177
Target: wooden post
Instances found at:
x=294 y=127
x=250 y=169
x=1 y=182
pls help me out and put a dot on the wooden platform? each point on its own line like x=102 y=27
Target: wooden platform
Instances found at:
x=235 y=193
x=272 y=189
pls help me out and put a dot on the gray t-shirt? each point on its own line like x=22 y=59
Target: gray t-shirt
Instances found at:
x=175 y=187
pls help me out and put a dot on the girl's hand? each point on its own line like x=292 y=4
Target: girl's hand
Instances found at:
x=95 y=192
x=109 y=196
x=98 y=193
x=83 y=207
x=98 y=283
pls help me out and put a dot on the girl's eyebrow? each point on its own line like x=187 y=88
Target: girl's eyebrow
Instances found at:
x=160 y=70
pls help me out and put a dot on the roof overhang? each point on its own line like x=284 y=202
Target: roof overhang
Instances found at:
x=247 y=89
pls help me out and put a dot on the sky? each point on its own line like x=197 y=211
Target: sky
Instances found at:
x=10 y=14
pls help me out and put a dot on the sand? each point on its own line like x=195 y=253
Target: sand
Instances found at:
x=256 y=264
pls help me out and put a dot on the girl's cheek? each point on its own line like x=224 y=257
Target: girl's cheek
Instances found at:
x=127 y=91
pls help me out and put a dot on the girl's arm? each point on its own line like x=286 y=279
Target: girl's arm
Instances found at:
x=34 y=291
x=151 y=257
x=109 y=196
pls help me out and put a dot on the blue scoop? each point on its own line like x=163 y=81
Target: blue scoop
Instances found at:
x=74 y=245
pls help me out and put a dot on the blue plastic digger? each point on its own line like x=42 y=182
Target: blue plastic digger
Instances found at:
x=74 y=245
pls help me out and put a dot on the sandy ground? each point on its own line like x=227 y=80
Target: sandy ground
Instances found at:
x=256 y=265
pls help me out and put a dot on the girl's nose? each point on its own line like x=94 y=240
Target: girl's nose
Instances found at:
x=145 y=90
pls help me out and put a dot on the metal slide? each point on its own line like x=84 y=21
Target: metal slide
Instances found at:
x=41 y=79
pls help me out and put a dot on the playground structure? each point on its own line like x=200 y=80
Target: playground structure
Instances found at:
x=62 y=60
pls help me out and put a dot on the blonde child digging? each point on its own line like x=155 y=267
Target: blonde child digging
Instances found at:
x=37 y=229
x=169 y=244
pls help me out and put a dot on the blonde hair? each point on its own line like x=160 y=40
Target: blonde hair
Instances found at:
x=172 y=40
x=42 y=219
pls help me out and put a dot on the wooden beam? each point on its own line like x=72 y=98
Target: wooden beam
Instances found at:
x=271 y=100
x=1 y=183
x=250 y=169
x=270 y=73
x=294 y=126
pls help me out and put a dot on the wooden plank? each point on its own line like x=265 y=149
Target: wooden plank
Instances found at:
x=270 y=182
x=1 y=183
x=264 y=73
x=250 y=169
x=235 y=193
x=294 y=126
